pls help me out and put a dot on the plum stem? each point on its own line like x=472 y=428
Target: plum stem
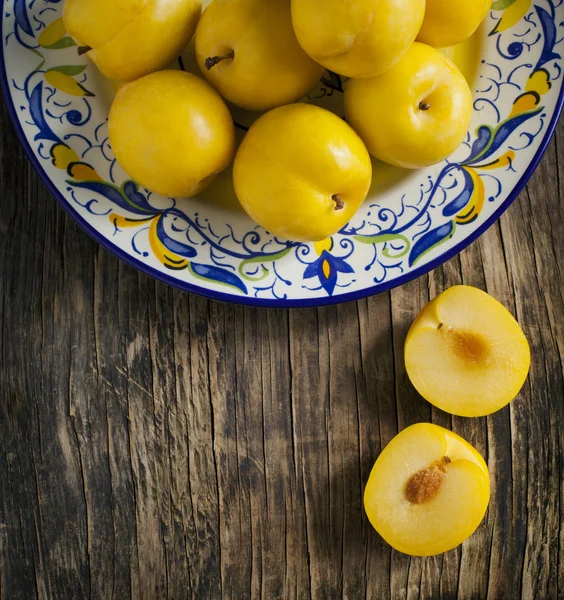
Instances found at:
x=442 y=464
x=424 y=106
x=83 y=50
x=339 y=204
x=215 y=60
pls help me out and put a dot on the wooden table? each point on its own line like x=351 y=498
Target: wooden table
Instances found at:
x=159 y=445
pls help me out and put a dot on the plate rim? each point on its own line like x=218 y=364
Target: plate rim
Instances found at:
x=211 y=294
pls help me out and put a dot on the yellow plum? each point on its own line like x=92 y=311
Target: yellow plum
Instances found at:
x=301 y=172
x=449 y=22
x=171 y=132
x=248 y=51
x=127 y=39
x=415 y=114
x=357 y=39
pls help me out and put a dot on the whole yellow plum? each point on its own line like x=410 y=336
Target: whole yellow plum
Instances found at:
x=301 y=172
x=415 y=114
x=357 y=39
x=248 y=51
x=449 y=22
x=127 y=39
x=171 y=132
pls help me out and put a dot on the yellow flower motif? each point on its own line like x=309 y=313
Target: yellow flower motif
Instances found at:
x=537 y=85
x=66 y=83
x=470 y=212
x=526 y=102
x=539 y=82
x=63 y=156
x=169 y=259
x=122 y=222
x=82 y=172
x=67 y=159
x=505 y=160
x=513 y=13
x=325 y=244
x=52 y=34
x=320 y=247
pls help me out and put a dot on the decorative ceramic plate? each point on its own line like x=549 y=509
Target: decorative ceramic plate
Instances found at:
x=411 y=222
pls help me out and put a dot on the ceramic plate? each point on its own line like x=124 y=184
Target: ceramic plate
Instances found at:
x=411 y=222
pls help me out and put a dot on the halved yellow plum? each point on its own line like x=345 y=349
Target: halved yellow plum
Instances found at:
x=428 y=491
x=466 y=354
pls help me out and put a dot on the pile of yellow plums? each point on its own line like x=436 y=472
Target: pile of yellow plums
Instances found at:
x=301 y=171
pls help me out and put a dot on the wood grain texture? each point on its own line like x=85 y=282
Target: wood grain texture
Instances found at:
x=156 y=445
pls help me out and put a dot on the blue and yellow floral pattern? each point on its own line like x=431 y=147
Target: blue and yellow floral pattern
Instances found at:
x=64 y=116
